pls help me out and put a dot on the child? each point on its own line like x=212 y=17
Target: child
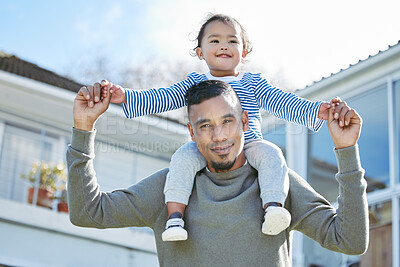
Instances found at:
x=223 y=43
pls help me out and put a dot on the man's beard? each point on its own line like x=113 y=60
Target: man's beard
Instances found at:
x=222 y=166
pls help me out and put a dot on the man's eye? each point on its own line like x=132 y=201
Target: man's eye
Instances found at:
x=205 y=126
x=227 y=121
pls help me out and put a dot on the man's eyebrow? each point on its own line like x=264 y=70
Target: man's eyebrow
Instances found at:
x=201 y=121
x=229 y=115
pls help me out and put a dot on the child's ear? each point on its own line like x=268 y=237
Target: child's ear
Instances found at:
x=244 y=54
x=199 y=53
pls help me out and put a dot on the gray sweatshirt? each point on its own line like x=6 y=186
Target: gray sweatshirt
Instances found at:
x=224 y=214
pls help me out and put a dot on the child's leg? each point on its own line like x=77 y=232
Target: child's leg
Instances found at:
x=268 y=160
x=184 y=165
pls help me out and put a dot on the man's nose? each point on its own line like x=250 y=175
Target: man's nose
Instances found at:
x=219 y=134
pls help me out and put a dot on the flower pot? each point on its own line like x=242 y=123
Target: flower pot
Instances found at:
x=45 y=197
x=62 y=207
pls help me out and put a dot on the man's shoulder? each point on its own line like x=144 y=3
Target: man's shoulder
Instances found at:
x=150 y=188
x=296 y=180
x=156 y=177
x=299 y=188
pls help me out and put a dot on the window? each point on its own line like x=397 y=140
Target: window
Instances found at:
x=373 y=144
x=374 y=140
x=277 y=135
x=20 y=149
x=322 y=164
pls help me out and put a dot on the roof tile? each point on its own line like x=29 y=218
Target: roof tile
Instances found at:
x=15 y=65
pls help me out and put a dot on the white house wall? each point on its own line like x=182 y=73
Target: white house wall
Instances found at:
x=35 y=236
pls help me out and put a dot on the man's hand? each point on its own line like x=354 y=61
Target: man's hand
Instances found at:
x=87 y=112
x=347 y=135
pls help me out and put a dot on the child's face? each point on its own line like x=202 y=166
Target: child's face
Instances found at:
x=221 y=48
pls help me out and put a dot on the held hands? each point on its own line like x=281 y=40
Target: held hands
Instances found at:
x=117 y=92
x=337 y=107
x=86 y=109
x=100 y=91
x=347 y=135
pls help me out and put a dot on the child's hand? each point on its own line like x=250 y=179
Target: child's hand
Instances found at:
x=117 y=92
x=323 y=112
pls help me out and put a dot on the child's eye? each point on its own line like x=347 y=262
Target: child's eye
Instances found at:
x=214 y=41
x=233 y=42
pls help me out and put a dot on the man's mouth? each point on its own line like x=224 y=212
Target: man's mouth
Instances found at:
x=223 y=149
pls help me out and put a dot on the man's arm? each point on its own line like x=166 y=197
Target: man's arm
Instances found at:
x=138 y=205
x=344 y=229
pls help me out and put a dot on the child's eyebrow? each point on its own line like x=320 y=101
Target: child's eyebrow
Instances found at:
x=219 y=35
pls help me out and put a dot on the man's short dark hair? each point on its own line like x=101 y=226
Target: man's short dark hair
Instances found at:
x=208 y=89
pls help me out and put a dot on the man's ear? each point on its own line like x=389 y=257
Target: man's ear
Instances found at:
x=190 y=128
x=199 y=53
x=245 y=120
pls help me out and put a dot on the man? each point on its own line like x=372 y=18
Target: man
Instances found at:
x=225 y=207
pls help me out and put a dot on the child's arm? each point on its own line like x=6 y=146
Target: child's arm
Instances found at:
x=290 y=107
x=137 y=103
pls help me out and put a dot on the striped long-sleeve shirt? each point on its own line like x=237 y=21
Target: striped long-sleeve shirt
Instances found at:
x=253 y=90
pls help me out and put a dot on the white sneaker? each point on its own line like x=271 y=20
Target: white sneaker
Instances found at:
x=276 y=220
x=174 y=230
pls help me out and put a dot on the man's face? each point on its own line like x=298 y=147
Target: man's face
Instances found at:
x=217 y=126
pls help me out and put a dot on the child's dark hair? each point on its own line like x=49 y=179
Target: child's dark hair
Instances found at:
x=208 y=89
x=247 y=45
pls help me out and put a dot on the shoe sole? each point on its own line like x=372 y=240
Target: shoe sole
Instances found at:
x=275 y=221
x=174 y=234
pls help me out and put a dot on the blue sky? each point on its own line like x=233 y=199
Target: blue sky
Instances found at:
x=304 y=40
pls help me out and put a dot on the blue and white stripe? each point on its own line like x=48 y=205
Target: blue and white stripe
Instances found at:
x=253 y=90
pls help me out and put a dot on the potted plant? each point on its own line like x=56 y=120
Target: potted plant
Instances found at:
x=62 y=205
x=52 y=177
